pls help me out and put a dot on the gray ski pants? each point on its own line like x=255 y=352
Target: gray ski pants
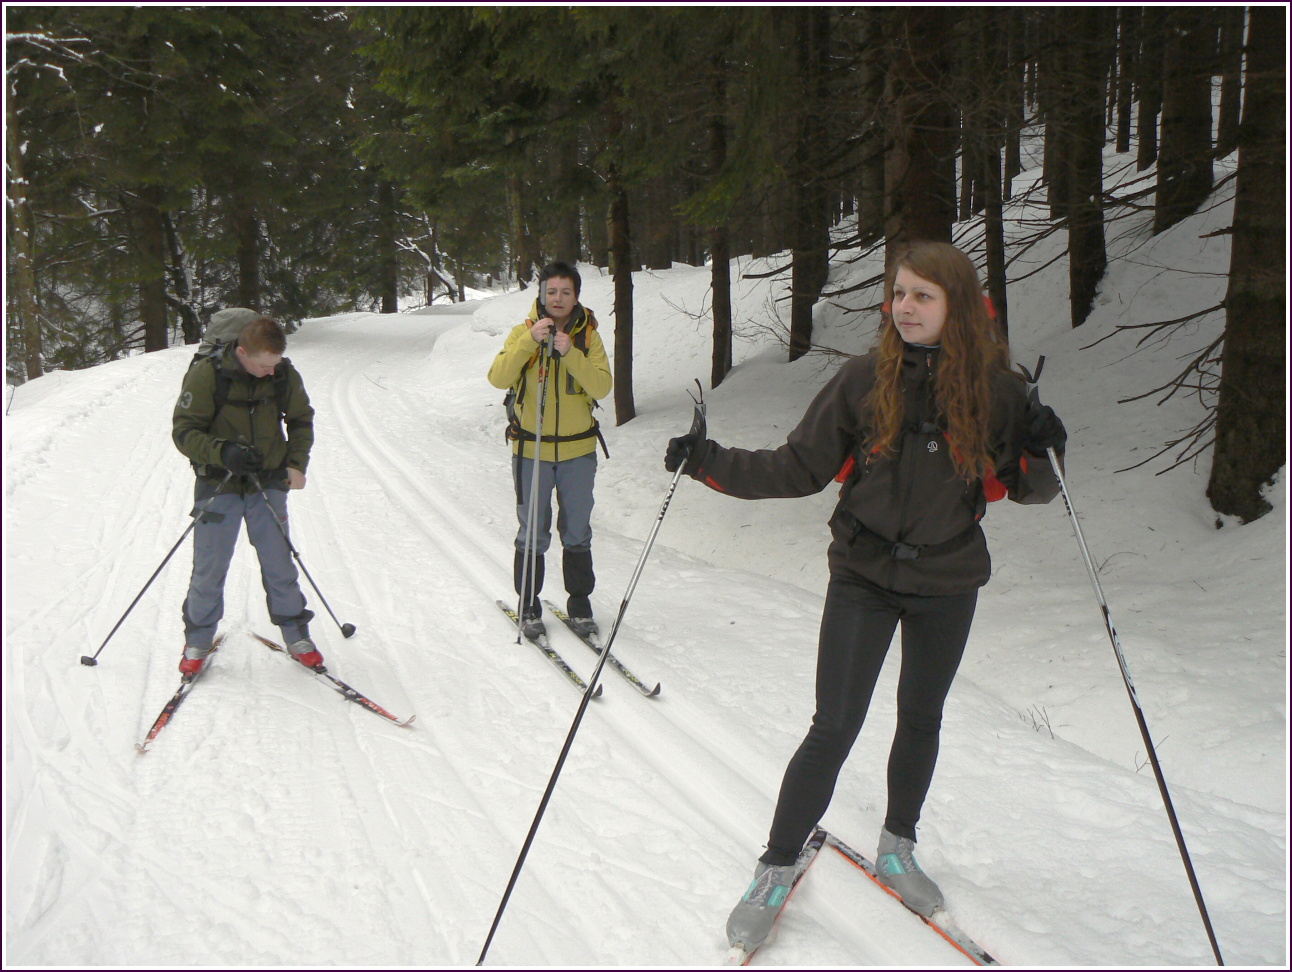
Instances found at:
x=572 y=479
x=214 y=538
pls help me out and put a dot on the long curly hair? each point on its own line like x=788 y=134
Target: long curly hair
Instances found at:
x=974 y=348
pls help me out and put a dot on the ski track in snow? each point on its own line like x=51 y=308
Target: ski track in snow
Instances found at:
x=275 y=824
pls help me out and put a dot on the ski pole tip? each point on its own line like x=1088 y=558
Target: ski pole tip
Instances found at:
x=347 y=630
x=87 y=660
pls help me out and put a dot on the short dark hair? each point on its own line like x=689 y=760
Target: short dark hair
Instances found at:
x=264 y=335
x=559 y=268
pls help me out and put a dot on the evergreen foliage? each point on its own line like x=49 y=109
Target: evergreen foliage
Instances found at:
x=167 y=161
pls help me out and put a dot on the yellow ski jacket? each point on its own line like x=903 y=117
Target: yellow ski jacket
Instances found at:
x=576 y=380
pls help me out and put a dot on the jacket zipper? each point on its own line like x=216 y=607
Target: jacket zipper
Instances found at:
x=909 y=460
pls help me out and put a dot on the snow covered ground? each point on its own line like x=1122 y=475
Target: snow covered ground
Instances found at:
x=273 y=824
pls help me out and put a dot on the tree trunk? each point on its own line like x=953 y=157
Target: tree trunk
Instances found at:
x=1184 y=175
x=1016 y=106
x=870 y=193
x=569 y=240
x=622 y=272
x=23 y=256
x=1251 y=418
x=150 y=243
x=246 y=232
x=388 y=252
x=1055 y=93
x=598 y=237
x=190 y=325
x=1087 y=256
x=1127 y=43
x=720 y=238
x=721 y=277
x=621 y=269
x=993 y=36
x=520 y=231
x=1231 y=71
x=1148 y=69
x=811 y=256
x=919 y=168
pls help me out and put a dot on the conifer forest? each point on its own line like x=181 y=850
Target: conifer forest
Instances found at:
x=163 y=162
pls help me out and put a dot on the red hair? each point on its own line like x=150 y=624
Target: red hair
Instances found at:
x=974 y=349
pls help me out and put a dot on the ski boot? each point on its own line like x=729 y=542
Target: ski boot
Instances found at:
x=531 y=622
x=193 y=660
x=751 y=920
x=305 y=652
x=579 y=610
x=896 y=866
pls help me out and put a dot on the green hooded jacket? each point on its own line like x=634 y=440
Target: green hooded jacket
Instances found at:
x=250 y=415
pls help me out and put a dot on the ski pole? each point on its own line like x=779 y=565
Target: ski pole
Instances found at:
x=347 y=629
x=698 y=427
x=1130 y=688
x=529 y=558
x=94 y=659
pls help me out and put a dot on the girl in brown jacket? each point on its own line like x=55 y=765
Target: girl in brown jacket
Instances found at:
x=923 y=431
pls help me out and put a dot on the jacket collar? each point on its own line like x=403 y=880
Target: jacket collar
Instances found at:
x=578 y=317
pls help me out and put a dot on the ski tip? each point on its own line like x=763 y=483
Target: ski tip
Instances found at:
x=407 y=722
x=653 y=693
x=597 y=693
x=737 y=955
x=140 y=748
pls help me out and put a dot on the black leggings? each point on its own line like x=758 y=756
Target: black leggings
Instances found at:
x=856 y=630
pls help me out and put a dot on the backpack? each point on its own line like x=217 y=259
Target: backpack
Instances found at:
x=220 y=332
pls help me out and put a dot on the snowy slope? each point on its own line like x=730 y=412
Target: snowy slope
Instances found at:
x=273 y=824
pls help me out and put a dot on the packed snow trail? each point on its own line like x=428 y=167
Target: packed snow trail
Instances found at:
x=274 y=824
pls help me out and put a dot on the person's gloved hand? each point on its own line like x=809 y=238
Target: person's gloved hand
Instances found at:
x=241 y=460
x=1044 y=430
x=688 y=449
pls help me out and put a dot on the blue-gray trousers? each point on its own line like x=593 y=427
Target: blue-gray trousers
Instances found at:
x=573 y=480
x=214 y=538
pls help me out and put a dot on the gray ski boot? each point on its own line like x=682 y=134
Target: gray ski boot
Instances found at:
x=896 y=866
x=751 y=920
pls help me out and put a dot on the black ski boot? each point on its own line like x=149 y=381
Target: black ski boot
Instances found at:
x=531 y=614
x=579 y=582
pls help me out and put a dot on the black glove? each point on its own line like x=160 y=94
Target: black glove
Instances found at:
x=689 y=449
x=1044 y=430
x=241 y=460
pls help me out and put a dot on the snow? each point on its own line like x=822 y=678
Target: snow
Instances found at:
x=272 y=824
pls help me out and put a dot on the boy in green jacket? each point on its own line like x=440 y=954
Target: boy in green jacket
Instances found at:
x=229 y=421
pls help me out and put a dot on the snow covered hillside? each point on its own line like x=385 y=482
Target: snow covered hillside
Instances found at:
x=273 y=824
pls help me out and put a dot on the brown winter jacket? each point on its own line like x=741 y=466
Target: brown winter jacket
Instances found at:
x=906 y=523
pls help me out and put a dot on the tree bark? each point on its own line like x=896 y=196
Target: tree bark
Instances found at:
x=919 y=168
x=1148 y=70
x=1127 y=42
x=190 y=325
x=870 y=193
x=1087 y=256
x=720 y=237
x=388 y=252
x=811 y=256
x=1231 y=71
x=150 y=245
x=246 y=232
x=1251 y=418
x=1184 y=174
x=622 y=273
x=23 y=257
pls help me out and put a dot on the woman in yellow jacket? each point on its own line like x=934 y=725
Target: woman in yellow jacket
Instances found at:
x=577 y=376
